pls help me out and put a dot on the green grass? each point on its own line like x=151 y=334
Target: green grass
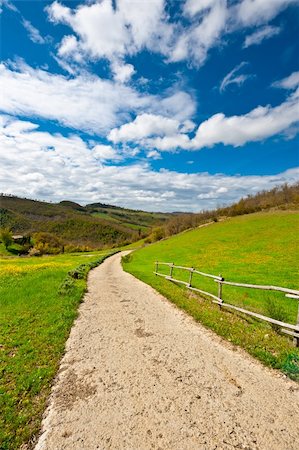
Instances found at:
x=259 y=249
x=38 y=304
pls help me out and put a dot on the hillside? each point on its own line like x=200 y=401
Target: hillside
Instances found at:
x=259 y=248
x=284 y=197
x=96 y=225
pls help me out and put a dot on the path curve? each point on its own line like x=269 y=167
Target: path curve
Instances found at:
x=139 y=374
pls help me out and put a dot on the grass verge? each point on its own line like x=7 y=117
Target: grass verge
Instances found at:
x=257 y=248
x=39 y=299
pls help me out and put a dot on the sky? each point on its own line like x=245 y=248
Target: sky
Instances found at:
x=160 y=105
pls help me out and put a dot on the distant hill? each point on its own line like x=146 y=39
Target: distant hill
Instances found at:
x=96 y=225
x=285 y=197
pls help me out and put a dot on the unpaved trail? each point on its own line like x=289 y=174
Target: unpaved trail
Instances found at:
x=139 y=374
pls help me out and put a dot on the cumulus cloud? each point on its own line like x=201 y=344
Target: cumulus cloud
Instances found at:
x=106 y=153
x=107 y=31
x=85 y=102
x=165 y=134
x=145 y=125
x=260 y=35
x=73 y=169
x=290 y=82
x=153 y=154
x=234 y=78
x=122 y=72
x=204 y=32
x=258 y=124
x=255 y=12
x=112 y=30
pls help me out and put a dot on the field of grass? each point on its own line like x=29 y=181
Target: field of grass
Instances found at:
x=259 y=248
x=38 y=304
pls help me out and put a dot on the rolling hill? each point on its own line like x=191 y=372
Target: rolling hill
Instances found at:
x=96 y=225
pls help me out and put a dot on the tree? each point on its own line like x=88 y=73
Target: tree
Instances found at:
x=6 y=237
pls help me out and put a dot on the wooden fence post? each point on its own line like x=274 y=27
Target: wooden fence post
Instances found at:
x=190 y=276
x=296 y=338
x=220 y=289
x=171 y=269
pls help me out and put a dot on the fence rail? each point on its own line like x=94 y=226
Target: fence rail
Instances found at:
x=286 y=328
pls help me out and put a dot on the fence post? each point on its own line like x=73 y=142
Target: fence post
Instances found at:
x=157 y=266
x=220 y=289
x=171 y=269
x=296 y=339
x=190 y=276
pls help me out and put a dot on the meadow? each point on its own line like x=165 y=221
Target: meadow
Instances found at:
x=39 y=299
x=257 y=248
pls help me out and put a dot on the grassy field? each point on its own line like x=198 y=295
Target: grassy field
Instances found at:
x=258 y=248
x=38 y=304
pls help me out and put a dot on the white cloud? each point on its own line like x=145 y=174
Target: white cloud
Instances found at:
x=290 y=82
x=255 y=12
x=233 y=78
x=108 y=32
x=145 y=125
x=177 y=141
x=195 y=41
x=193 y=7
x=33 y=32
x=260 y=35
x=85 y=102
x=56 y=168
x=106 y=153
x=122 y=72
x=257 y=125
x=8 y=5
x=69 y=46
x=114 y=30
x=153 y=154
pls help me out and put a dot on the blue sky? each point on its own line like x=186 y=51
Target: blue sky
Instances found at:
x=156 y=105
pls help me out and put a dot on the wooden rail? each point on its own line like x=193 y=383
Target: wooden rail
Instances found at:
x=287 y=328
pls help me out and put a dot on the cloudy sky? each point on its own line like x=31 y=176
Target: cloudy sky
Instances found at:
x=162 y=105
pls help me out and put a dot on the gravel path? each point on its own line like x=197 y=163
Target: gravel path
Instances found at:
x=139 y=374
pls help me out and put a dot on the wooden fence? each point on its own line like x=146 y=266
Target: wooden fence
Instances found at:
x=287 y=328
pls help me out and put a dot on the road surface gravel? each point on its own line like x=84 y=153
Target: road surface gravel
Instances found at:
x=139 y=374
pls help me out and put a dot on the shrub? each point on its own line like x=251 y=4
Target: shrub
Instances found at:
x=47 y=243
x=6 y=237
x=34 y=252
x=158 y=234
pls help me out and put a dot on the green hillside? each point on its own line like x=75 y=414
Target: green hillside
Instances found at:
x=259 y=248
x=94 y=226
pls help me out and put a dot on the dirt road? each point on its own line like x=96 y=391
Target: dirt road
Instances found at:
x=139 y=374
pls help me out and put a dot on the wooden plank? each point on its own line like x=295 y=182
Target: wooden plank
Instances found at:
x=293 y=292
x=291 y=333
x=177 y=281
x=259 y=316
x=191 y=269
x=215 y=277
x=292 y=296
x=205 y=293
x=265 y=288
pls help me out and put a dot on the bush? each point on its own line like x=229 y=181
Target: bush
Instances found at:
x=34 y=252
x=47 y=243
x=6 y=237
x=157 y=234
